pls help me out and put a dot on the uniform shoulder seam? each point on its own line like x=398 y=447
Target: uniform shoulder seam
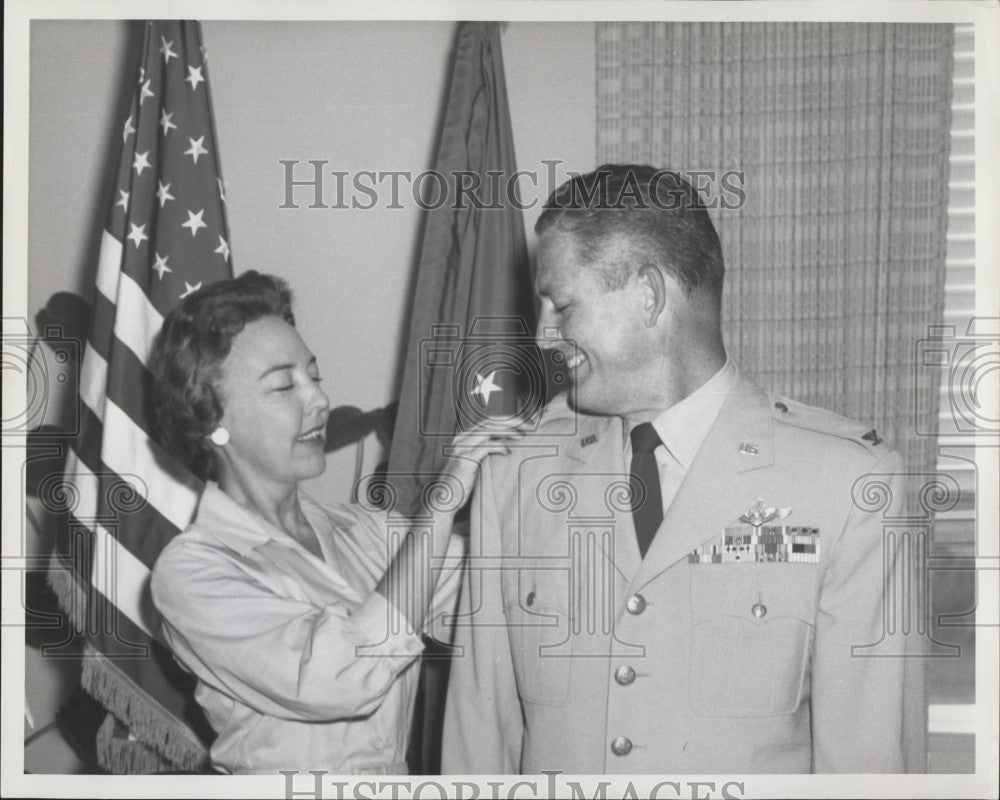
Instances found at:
x=823 y=421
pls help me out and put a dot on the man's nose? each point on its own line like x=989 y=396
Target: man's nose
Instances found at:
x=547 y=334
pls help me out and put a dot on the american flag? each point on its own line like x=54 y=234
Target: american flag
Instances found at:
x=165 y=237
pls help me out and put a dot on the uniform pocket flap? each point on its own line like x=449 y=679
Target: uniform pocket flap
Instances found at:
x=757 y=592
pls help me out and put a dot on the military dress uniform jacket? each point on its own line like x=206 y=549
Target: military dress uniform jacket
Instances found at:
x=574 y=654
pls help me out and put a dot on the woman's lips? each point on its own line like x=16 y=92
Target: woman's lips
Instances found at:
x=312 y=435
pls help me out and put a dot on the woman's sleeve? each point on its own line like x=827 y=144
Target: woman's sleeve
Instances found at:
x=444 y=605
x=444 y=602
x=276 y=654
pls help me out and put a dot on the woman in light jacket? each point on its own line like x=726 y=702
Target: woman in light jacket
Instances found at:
x=300 y=620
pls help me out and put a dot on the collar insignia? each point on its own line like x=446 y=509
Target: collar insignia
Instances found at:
x=873 y=437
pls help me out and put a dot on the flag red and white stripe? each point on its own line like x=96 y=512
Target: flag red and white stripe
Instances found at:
x=165 y=236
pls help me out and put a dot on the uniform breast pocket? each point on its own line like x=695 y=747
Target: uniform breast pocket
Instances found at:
x=751 y=634
x=541 y=647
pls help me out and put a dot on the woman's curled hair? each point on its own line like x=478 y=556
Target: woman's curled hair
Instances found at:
x=196 y=337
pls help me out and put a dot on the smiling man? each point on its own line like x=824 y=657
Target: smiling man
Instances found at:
x=671 y=575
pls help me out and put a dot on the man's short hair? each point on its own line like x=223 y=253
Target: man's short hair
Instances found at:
x=656 y=212
x=195 y=339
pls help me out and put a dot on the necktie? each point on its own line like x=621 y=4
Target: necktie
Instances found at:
x=644 y=477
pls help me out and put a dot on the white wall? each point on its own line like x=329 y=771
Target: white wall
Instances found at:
x=361 y=95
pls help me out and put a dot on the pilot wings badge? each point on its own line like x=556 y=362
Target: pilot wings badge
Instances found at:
x=755 y=539
x=761 y=514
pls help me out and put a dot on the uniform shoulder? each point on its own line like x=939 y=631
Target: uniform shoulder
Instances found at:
x=558 y=418
x=786 y=411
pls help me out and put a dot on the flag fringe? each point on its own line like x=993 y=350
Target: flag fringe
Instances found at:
x=144 y=718
x=70 y=595
x=142 y=715
x=118 y=753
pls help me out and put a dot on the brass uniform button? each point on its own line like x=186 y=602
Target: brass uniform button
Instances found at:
x=636 y=604
x=624 y=675
x=621 y=746
x=781 y=407
x=758 y=610
x=530 y=599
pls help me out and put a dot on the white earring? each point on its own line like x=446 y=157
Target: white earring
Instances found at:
x=220 y=436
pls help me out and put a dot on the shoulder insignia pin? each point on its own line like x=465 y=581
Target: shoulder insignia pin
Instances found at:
x=588 y=440
x=873 y=437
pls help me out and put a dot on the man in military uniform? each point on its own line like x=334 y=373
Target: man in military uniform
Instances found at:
x=677 y=573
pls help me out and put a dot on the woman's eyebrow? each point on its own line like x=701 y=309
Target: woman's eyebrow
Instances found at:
x=279 y=367
x=275 y=368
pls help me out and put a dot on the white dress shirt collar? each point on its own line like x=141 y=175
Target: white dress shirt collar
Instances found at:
x=684 y=425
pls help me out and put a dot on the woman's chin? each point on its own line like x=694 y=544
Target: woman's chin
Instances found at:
x=314 y=470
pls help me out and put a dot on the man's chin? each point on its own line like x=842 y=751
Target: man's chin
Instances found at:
x=583 y=402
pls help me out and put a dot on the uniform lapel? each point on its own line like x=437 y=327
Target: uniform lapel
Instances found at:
x=599 y=450
x=625 y=555
x=718 y=486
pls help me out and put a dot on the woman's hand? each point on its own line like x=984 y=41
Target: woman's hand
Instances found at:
x=468 y=449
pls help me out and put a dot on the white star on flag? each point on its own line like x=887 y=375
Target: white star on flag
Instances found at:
x=138 y=234
x=165 y=121
x=145 y=92
x=195 y=149
x=161 y=265
x=167 y=52
x=223 y=248
x=127 y=130
x=188 y=289
x=140 y=162
x=485 y=387
x=123 y=200
x=194 y=77
x=164 y=194
x=194 y=222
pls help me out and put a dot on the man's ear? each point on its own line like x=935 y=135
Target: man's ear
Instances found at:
x=654 y=291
